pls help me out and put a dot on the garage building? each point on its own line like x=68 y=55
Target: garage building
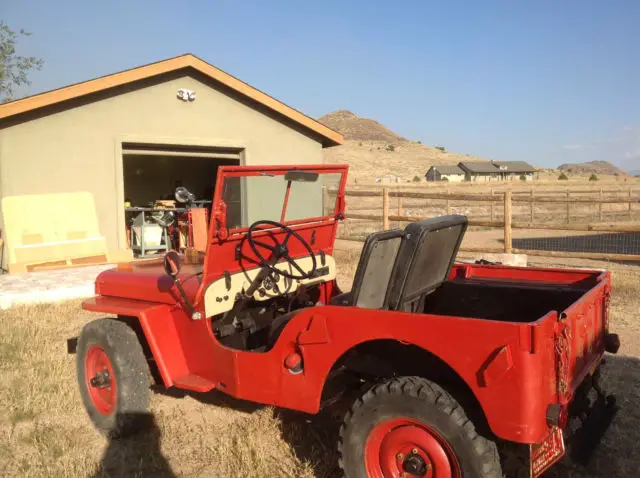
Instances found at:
x=445 y=172
x=133 y=137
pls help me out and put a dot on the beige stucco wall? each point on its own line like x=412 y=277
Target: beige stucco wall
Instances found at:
x=80 y=149
x=454 y=178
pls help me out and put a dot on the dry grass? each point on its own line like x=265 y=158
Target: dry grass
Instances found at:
x=369 y=160
x=372 y=159
x=44 y=430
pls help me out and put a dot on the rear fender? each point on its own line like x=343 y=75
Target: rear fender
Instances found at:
x=158 y=325
x=390 y=358
x=501 y=363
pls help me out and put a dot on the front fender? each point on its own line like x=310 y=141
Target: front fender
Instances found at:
x=158 y=325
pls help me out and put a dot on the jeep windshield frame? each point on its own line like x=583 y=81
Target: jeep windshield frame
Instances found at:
x=290 y=195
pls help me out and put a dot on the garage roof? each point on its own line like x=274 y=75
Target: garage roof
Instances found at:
x=329 y=136
x=479 y=167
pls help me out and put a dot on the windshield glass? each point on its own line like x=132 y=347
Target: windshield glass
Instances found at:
x=255 y=198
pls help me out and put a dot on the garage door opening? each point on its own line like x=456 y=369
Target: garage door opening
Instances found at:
x=156 y=220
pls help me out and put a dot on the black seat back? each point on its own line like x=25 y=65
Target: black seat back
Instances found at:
x=428 y=251
x=397 y=268
x=375 y=268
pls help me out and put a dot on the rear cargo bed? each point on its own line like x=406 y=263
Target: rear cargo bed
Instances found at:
x=493 y=300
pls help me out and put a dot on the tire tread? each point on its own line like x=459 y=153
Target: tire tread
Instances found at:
x=485 y=450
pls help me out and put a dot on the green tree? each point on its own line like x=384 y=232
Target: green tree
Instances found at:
x=593 y=177
x=563 y=177
x=14 y=68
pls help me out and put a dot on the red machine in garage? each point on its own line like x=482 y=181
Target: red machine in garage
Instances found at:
x=442 y=365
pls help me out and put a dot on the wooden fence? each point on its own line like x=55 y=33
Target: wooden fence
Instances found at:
x=506 y=200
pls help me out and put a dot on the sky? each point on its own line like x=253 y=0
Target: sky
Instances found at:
x=545 y=81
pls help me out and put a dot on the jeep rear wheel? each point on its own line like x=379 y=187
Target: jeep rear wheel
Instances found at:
x=113 y=377
x=411 y=427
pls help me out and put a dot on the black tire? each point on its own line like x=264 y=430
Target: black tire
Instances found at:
x=427 y=404
x=127 y=410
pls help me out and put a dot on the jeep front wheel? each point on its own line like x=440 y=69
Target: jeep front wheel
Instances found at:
x=411 y=427
x=113 y=377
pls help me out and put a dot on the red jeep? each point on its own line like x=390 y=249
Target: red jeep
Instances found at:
x=442 y=365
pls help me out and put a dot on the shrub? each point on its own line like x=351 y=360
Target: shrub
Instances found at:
x=593 y=177
x=563 y=177
x=523 y=177
x=360 y=143
x=390 y=147
x=441 y=148
x=444 y=179
x=417 y=179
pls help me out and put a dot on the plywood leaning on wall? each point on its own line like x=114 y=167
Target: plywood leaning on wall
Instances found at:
x=52 y=231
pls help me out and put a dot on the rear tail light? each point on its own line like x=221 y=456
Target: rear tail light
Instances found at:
x=557 y=415
x=293 y=363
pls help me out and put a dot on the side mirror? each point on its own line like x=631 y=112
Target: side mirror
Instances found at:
x=172 y=263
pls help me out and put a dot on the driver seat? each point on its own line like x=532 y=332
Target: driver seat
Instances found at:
x=398 y=268
x=373 y=274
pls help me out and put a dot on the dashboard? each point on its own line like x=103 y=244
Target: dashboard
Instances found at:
x=221 y=294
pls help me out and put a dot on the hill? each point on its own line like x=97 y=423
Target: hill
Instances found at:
x=373 y=151
x=353 y=127
x=596 y=167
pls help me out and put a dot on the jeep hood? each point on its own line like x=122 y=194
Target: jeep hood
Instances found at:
x=147 y=283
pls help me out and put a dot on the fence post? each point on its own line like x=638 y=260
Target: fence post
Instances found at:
x=568 y=208
x=492 y=204
x=399 y=205
x=507 y=221
x=600 y=205
x=448 y=202
x=385 y=209
x=531 y=206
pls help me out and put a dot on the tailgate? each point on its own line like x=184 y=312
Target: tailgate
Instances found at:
x=580 y=337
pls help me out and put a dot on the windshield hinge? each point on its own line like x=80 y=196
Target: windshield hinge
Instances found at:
x=340 y=207
x=220 y=217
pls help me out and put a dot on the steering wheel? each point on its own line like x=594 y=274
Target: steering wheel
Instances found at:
x=280 y=250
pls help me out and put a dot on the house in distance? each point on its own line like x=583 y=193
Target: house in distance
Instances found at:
x=445 y=172
x=482 y=171
x=510 y=170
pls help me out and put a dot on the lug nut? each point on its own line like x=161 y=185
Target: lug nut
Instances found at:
x=414 y=451
x=399 y=456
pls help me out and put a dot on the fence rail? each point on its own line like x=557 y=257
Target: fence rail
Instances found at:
x=627 y=234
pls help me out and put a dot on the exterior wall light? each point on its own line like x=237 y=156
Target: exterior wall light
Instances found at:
x=186 y=95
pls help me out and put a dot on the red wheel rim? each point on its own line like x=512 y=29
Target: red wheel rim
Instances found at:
x=403 y=447
x=100 y=380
